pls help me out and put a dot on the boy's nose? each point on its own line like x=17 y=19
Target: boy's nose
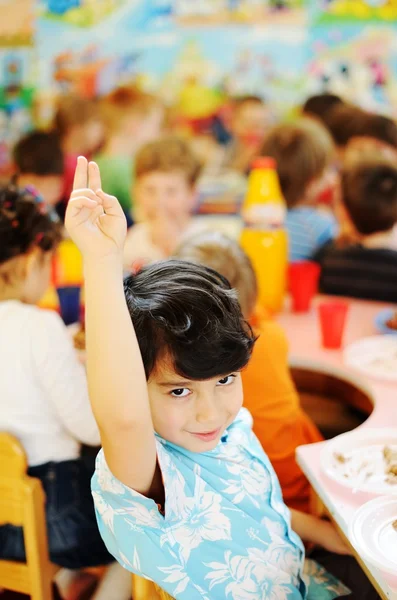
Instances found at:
x=206 y=412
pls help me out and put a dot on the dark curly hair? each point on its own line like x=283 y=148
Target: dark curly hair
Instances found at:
x=189 y=313
x=25 y=223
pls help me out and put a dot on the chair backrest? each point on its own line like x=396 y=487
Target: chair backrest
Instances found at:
x=22 y=504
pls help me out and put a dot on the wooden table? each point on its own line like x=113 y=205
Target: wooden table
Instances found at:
x=306 y=352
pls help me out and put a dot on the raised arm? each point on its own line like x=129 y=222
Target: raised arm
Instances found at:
x=116 y=377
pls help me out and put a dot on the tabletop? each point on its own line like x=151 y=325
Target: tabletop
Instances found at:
x=303 y=333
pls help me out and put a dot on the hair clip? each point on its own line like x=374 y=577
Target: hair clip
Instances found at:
x=15 y=223
x=39 y=237
x=30 y=189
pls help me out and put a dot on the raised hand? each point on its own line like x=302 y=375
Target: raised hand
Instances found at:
x=94 y=220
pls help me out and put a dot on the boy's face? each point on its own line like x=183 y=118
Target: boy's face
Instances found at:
x=250 y=123
x=193 y=414
x=164 y=194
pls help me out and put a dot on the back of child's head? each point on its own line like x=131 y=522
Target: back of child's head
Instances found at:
x=186 y=315
x=303 y=150
x=224 y=255
x=25 y=226
x=78 y=123
x=167 y=155
x=381 y=128
x=319 y=106
x=126 y=103
x=39 y=153
x=346 y=121
x=369 y=193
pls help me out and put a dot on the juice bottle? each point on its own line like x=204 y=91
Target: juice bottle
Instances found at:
x=264 y=237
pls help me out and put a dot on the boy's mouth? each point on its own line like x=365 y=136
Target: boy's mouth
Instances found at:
x=207 y=436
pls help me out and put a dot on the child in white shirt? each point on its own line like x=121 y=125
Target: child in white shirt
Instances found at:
x=43 y=388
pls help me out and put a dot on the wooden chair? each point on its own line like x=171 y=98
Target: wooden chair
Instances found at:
x=142 y=589
x=22 y=504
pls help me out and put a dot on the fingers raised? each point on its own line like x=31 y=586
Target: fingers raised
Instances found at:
x=80 y=202
x=94 y=176
x=87 y=192
x=81 y=174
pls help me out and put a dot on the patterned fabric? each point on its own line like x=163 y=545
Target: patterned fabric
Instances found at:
x=226 y=533
x=308 y=230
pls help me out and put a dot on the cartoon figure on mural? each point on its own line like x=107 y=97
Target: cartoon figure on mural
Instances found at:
x=331 y=11
x=88 y=74
x=83 y=13
x=357 y=69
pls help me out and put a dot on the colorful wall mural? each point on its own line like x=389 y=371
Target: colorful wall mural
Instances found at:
x=195 y=53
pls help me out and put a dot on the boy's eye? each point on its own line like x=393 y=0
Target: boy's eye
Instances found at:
x=180 y=392
x=226 y=380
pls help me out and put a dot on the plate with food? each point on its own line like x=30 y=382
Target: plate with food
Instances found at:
x=374 y=356
x=363 y=460
x=373 y=533
x=386 y=321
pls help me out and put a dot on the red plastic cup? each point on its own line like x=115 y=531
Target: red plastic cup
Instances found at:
x=303 y=284
x=332 y=321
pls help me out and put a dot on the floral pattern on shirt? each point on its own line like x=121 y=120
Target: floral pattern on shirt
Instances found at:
x=225 y=533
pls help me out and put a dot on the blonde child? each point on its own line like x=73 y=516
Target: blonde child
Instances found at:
x=43 y=395
x=183 y=490
x=166 y=172
x=131 y=119
x=303 y=152
x=269 y=392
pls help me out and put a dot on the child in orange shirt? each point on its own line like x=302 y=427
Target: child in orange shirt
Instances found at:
x=269 y=392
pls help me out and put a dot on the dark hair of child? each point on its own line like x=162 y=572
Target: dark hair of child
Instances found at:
x=39 y=153
x=369 y=191
x=188 y=314
x=319 y=105
x=25 y=224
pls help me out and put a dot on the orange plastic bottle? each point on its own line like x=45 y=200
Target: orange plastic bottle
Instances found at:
x=264 y=237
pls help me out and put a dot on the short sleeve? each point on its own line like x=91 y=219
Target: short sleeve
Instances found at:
x=129 y=523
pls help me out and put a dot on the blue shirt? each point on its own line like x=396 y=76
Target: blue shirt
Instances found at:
x=225 y=532
x=308 y=230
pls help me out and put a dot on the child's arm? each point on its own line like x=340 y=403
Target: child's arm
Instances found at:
x=116 y=377
x=318 y=531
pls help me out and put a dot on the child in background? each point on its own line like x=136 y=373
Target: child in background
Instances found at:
x=320 y=105
x=269 y=392
x=44 y=397
x=38 y=159
x=303 y=152
x=132 y=118
x=348 y=123
x=78 y=123
x=250 y=119
x=363 y=263
x=166 y=172
x=183 y=490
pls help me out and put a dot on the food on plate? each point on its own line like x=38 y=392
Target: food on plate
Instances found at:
x=375 y=465
x=394 y=524
x=392 y=322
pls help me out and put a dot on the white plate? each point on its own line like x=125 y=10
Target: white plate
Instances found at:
x=364 y=466
x=374 y=356
x=372 y=534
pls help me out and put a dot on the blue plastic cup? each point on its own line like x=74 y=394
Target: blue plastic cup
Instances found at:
x=69 y=302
